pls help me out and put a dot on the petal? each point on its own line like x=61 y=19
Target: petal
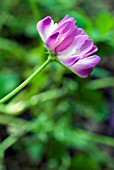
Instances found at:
x=51 y=41
x=94 y=49
x=84 y=67
x=67 y=41
x=78 y=41
x=64 y=28
x=86 y=47
x=84 y=73
x=68 y=61
x=44 y=27
x=65 y=19
x=80 y=31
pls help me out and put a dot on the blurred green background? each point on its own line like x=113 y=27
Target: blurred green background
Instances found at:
x=59 y=121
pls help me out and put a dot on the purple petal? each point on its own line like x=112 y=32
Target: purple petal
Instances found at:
x=67 y=41
x=64 y=28
x=94 y=49
x=80 y=31
x=68 y=61
x=51 y=41
x=78 y=41
x=65 y=19
x=84 y=67
x=85 y=73
x=86 y=47
x=43 y=27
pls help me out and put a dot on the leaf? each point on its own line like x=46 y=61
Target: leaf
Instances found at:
x=84 y=162
x=104 y=22
x=101 y=83
x=82 y=20
x=100 y=72
x=8 y=81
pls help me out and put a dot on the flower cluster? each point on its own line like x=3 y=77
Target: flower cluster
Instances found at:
x=70 y=44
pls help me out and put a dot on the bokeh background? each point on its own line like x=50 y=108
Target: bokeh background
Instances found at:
x=59 y=121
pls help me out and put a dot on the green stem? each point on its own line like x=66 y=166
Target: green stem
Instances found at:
x=27 y=81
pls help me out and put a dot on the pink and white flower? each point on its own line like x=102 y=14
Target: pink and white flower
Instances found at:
x=70 y=44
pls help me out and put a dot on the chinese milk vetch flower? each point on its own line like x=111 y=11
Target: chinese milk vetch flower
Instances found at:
x=70 y=44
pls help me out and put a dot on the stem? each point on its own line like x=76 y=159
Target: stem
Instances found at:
x=27 y=81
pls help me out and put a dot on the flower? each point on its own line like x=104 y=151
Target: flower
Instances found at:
x=70 y=44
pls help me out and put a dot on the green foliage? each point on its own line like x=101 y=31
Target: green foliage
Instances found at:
x=104 y=22
x=57 y=122
x=82 y=20
x=84 y=162
x=8 y=82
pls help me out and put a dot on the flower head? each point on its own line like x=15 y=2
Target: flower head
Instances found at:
x=70 y=44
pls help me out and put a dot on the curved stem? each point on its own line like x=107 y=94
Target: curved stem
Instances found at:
x=27 y=81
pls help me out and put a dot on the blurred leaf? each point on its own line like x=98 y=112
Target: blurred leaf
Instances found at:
x=99 y=72
x=12 y=48
x=82 y=20
x=55 y=152
x=35 y=150
x=84 y=162
x=104 y=22
x=8 y=81
x=88 y=106
x=30 y=29
x=101 y=83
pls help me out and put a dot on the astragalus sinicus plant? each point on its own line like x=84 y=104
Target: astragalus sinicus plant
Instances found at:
x=67 y=44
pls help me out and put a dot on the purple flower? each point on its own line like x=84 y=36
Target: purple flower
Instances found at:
x=70 y=44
